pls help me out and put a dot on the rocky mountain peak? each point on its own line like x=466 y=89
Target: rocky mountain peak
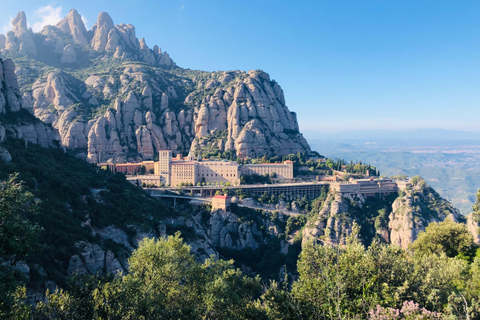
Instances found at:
x=73 y=24
x=126 y=111
x=20 y=39
x=104 y=37
x=101 y=31
x=19 y=22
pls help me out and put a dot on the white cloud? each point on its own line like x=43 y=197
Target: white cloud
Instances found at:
x=47 y=15
x=182 y=7
x=85 y=21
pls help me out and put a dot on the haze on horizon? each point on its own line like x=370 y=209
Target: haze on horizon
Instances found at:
x=343 y=65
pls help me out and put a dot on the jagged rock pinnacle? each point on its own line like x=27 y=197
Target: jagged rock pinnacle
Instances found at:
x=73 y=24
x=102 y=28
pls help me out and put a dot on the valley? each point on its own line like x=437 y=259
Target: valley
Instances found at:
x=451 y=167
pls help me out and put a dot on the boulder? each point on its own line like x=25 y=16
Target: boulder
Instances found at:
x=5 y=156
x=69 y=55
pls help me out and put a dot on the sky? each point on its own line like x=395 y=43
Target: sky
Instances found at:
x=343 y=64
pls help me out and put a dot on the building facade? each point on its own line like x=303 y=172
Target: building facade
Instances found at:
x=366 y=187
x=221 y=202
x=284 y=171
x=177 y=171
x=174 y=172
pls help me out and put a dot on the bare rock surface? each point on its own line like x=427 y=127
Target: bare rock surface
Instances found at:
x=128 y=111
x=73 y=24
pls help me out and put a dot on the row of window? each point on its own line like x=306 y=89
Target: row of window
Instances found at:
x=216 y=175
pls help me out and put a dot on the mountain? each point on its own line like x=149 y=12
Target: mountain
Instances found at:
x=102 y=95
x=112 y=98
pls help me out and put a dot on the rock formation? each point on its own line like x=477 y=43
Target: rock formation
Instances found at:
x=23 y=37
x=3 y=39
x=129 y=112
x=10 y=99
x=101 y=31
x=473 y=225
x=73 y=25
x=332 y=226
x=11 y=102
x=69 y=55
x=403 y=218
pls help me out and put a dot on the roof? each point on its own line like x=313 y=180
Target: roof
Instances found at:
x=221 y=197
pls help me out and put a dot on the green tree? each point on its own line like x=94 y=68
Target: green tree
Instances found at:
x=446 y=237
x=476 y=206
x=18 y=236
x=164 y=282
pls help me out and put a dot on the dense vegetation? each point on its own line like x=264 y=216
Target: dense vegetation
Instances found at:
x=43 y=218
x=350 y=282
x=63 y=198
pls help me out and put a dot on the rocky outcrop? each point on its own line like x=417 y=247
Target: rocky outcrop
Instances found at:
x=69 y=55
x=10 y=99
x=225 y=231
x=333 y=224
x=473 y=225
x=101 y=31
x=73 y=25
x=32 y=130
x=3 y=39
x=414 y=211
x=93 y=260
x=21 y=41
x=129 y=111
x=398 y=222
x=247 y=107
x=252 y=110
x=5 y=156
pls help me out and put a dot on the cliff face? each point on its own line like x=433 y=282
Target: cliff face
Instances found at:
x=415 y=210
x=333 y=224
x=110 y=96
x=14 y=120
x=473 y=225
x=396 y=219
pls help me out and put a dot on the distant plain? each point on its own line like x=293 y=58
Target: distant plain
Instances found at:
x=448 y=160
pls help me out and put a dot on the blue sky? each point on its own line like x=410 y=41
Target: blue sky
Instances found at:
x=343 y=64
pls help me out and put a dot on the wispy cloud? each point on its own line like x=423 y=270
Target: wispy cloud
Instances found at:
x=85 y=21
x=47 y=15
x=182 y=7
